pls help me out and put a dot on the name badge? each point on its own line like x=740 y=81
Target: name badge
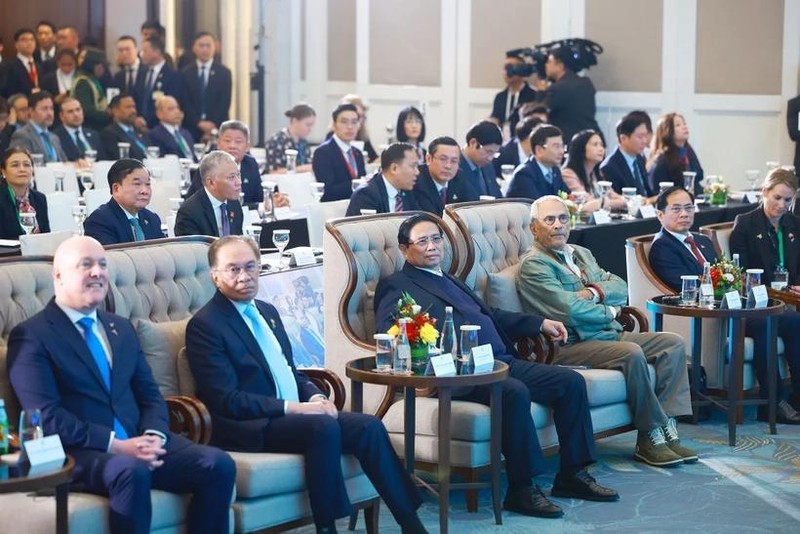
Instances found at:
x=751 y=197
x=483 y=358
x=44 y=454
x=443 y=365
x=758 y=297
x=303 y=256
x=283 y=213
x=601 y=217
x=647 y=211
x=731 y=301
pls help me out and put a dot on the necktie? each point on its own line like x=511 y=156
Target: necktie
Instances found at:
x=32 y=74
x=135 y=139
x=398 y=202
x=226 y=222
x=285 y=384
x=48 y=146
x=481 y=181
x=148 y=83
x=351 y=158
x=138 y=234
x=99 y=356
x=695 y=251
x=129 y=80
x=637 y=175
x=549 y=177
x=79 y=143
x=201 y=79
x=443 y=196
x=301 y=147
x=182 y=143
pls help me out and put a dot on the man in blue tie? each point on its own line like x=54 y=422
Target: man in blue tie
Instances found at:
x=625 y=167
x=122 y=130
x=85 y=370
x=483 y=143
x=242 y=363
x=35 y=136
x=125 y=217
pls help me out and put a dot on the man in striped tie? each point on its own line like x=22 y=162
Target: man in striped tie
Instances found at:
x=123 y=130
x=168 y=136
x=391 y=190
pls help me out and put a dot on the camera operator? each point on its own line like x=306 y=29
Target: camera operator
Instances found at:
x=569 y=98
x=505 y=110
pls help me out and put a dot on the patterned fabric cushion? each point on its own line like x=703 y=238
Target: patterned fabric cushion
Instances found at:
x=161 y=343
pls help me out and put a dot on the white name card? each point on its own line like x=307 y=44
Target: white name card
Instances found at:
x=647 y=211
x=483 y=358
x=731 y=301
x=303 y=256
x=758 y=297
x=751 y=197
x=601 y=217
x=44 y=454
x=443 y=365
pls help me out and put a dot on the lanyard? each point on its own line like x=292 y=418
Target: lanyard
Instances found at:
x=779 y=232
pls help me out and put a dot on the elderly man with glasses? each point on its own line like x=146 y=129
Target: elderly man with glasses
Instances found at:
x=565 y=282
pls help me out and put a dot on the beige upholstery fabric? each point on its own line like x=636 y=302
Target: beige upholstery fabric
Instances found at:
x=185 y=379
x=160 y=281
x=26 y=286
x=43 y=244
x=161 y=343
x=501 y=289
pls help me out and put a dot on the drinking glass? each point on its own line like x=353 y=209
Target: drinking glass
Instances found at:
x=780 y=279
x=383 y=353
x=199 y=150
x=291 y=159
x=689 y=285
x=688 y=181
x=772 y=165
x=153 y=152
x=605 y=191
x=467 y=341
x=124 y=150
x=628 y=193
x=90 y=156
x=59 y=175
x=317 y=190
x=27 y=219
x=86 y=179
x=266 y=209
x=30 y=426
x=254 y=231
x=752 y=178
x=38 y=160
x=507 y=171
x=752 y=279
x=79 y=215
x=280 y=238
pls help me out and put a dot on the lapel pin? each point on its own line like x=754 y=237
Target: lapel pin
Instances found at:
x=146 y=222
x=455 y=197
x=791 y=237
x=758 y=236
x=113 y=329
x=273 y=324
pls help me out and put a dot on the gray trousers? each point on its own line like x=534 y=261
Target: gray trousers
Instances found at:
x=631 y=354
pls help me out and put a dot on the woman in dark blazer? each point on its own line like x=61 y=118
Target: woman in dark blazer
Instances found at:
x=673 y=154
x=411 y=129
x=768 y=238
x=16 y=195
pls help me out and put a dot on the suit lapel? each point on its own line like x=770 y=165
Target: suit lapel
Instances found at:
x=69 y=333
x=208 y=212
x=238 y=326
x=115 y=345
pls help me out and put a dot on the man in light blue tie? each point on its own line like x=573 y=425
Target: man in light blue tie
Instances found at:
x=540 y=175
x=35 y=137
x=241 y=359
x=123 y=130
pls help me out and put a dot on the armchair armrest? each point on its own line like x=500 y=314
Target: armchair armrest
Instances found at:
x=633 y=319
x=540 y=349
x=329 y=383
x=190 y=418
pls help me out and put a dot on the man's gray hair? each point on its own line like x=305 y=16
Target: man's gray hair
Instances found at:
x=235 y=125
x=541 y=200
x=211 y=162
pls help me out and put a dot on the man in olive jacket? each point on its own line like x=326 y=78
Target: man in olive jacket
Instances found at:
x=564 y=282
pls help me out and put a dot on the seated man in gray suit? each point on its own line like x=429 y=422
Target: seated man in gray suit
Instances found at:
x=35 y=136
x=565 y=282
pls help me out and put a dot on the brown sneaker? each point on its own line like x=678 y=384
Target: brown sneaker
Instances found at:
x=652 y=448
x=674 y=443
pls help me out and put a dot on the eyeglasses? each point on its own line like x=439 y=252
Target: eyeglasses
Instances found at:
x=423 y=242
x=444 y=160
x=232 y=177
x=234 y=271
x=550 y=220
x=676 y=210
x=555 y=146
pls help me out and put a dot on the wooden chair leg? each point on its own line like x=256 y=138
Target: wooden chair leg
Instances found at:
x=372 y=516
x=472 y=495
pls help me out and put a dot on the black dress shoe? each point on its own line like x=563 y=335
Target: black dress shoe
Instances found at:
x=582 y=485
x=531 y=501
x=327 y=529
x=784 y=414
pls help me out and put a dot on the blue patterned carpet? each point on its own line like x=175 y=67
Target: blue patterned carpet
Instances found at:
x=751 y=488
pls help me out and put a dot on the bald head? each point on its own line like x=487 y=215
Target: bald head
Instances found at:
x=80 y=274
x=168 y=111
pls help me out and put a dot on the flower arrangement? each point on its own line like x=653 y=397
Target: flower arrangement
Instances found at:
x=572 y=205
x=726 y=276
x=717 y=191
x=421 y=329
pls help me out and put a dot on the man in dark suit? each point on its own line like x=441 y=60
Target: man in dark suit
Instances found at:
x=336 y=163
x=22 y=74
x=85 y=370
x=483 y=142
x=570 y=98
x=562 y=389
x=241 y=360
x=76 y=138
x=540 y=175
x=675 y=250
x=35 y=136
x=518 y=149
x=208 y=89
x=45 y=55
x=168 y=135
x=793 y=125
x=505 y=108
x=155 y=79
x=625 y=167
x=213 y=210
x=129 y=65
x=121 y=130
x=439 y=182
x=125 y=217
x=390 y=190
x=68 y=38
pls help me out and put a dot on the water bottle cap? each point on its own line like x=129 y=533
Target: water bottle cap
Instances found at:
x=448 y=309
x=382 y=337
x=2 y=403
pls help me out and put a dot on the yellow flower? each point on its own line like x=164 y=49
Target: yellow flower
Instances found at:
x=393 y=331
x=428 y=333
